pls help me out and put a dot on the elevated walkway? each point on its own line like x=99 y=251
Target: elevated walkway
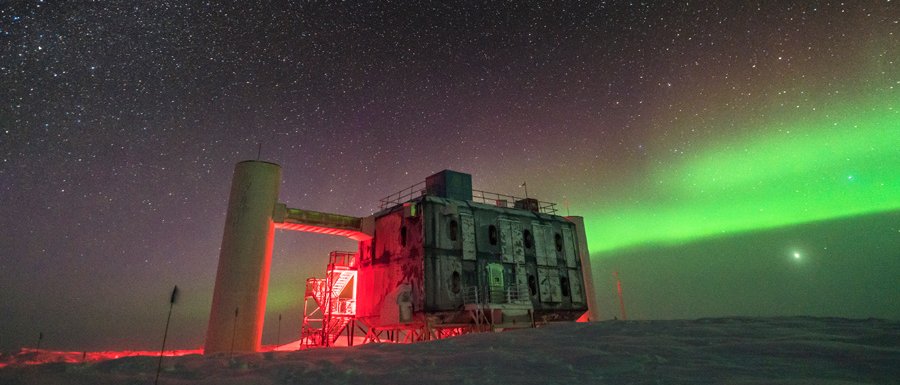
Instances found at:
x=309 y=221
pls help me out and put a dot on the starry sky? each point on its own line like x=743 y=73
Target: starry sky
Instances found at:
x=729 y=157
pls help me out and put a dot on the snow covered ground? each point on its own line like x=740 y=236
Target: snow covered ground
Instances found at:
x=795 y=350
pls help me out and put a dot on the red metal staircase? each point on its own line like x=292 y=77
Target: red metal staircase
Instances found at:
x=330 y=302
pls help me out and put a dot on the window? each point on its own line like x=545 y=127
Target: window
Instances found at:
x=453 y=230
x=532 y=285
x=492 y=234
x=403 y=236
x=559 y=242
x=455 y=286
x=564 y=285
x=527 y=239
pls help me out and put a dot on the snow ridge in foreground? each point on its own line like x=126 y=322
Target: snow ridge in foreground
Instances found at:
x=795 y=350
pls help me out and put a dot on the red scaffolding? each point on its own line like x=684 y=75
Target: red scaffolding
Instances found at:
x=329 y=308
x=329 y=312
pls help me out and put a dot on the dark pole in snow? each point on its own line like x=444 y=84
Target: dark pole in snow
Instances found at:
x=621 y=299
x=278 y=335
x=233 y=331
x=166 y=333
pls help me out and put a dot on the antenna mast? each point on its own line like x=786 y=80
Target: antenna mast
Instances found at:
x=621 y=299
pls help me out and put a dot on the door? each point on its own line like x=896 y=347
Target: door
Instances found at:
x=495 y=282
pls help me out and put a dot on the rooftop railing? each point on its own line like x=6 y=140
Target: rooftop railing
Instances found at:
x=479 y=196
x=403 y=196
x=514 y=202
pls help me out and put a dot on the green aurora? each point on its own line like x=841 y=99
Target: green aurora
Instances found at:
x=818 y=167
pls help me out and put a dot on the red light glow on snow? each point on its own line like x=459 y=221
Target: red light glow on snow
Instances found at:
x=28 y=356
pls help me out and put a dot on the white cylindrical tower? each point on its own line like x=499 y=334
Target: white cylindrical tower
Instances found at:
x=588 y=276
x=242 y=278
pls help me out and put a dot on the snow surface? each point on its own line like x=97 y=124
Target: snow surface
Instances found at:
x=795 y=350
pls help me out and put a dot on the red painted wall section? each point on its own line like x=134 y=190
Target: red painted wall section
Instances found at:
x=391 y=271
x=364 y=293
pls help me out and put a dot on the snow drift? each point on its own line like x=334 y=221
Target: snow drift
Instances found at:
x=795 y=350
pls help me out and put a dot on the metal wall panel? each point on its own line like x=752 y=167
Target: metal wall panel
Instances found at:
x=550 y=244
x=575 y=286
x=544 y=245
x=446 y=216
x=506 y=242
x=522 y=280
x=569 y=247
x=517 y=242
x=448 y=285
x=512 y=249
x=468 y=236
x=549 y=284
x=540 y=251
x=392 y=265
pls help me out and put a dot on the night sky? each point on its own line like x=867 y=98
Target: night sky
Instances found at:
x=729 y=157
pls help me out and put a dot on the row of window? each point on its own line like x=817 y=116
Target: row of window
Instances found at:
x=493 y=236
x=455 y=284
x=563 y=285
